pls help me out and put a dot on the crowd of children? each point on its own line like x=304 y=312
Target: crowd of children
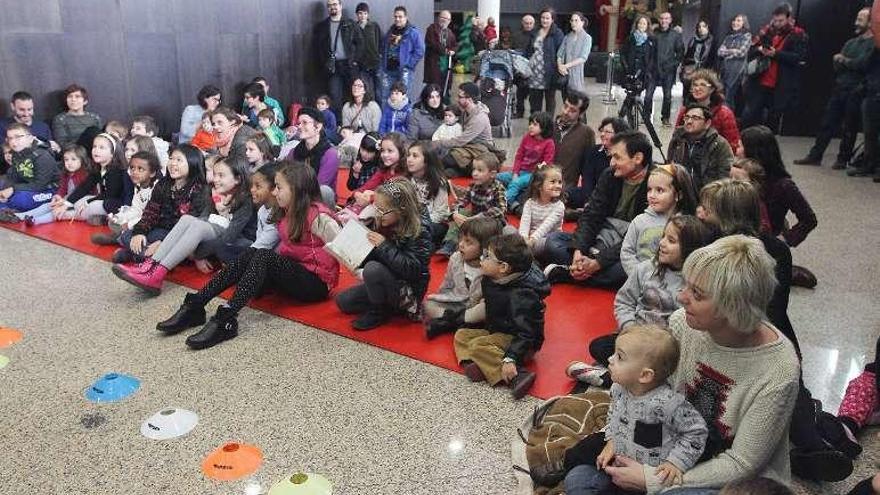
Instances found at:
x=258 y=223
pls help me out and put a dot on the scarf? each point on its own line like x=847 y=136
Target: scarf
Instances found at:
x=640 y=37
x=397 y=33
x=311 y=157
x=224 y=139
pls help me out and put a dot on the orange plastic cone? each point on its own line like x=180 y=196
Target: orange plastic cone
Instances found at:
x=8 y=337
x=232 y=461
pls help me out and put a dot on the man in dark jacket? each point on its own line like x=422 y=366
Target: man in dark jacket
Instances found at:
x=521 y=39
x=513 y=290
x=871 y=106
x=777 y=88
x=699 y=148
x=591 y=256
x=670 y=51
x=440 y=46
x=843 y=107
x=337 y=44
x=370 y=54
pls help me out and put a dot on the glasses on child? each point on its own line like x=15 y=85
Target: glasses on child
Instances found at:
x=701 y=84
x=381 y=212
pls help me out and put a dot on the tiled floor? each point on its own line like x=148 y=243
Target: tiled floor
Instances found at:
x=371 y=421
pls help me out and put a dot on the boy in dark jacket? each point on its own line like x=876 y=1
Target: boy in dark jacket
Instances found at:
x=32 y=176
x=514 y=290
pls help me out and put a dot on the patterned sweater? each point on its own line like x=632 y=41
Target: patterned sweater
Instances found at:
x=646 y=297
x=746 y=396
x=659 y=426
x=486 y=199
x=642 y=239
x=539 y=220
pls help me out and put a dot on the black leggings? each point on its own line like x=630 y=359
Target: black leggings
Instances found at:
x=380 y=290
x=256 y=270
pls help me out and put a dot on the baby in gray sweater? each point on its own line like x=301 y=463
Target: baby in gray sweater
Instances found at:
x=648 y=421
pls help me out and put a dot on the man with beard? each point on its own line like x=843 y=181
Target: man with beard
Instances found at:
x=783 y=45
x=699 y=148
x=402 y=49
x=573 y=139
x=440 y=45
x=337 y=45
x=843 y=106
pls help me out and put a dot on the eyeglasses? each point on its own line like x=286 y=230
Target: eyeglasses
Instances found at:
x=695 y=118
x=381 y=212
x=701 y=85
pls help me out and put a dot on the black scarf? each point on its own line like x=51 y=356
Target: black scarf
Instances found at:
x=312 y=157
x=398 y=31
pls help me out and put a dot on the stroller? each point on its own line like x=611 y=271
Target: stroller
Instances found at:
x=498 y=68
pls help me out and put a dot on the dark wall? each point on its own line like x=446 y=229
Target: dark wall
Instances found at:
x=517 y=6
x=152 y=56
x=828 y=24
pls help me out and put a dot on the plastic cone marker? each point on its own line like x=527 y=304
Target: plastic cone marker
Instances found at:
x=112 y=387
x=169 y=423
x=232 y=461
x=8 y=337
x=3 y=361
x=302 y=484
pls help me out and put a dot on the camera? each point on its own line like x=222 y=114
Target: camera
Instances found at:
x=633 y=83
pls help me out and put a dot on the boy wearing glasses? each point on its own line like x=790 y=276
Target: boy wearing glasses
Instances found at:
x=699 y=148
x=31 y=179
x=513 y=290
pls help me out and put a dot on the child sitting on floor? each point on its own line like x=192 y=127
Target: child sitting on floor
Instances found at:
x=650 y=294
x=111 y=180
x=33 y=177
x=459 y=300
x=395 y=273
x=298 y=268
x=262 y=194
x=450 y=128
x=367 y=162
x=537 y=146
x=266 y=119
x=670 y=191
x=514 y=289
x=648 y=421
x=258 y=151
x=543 y=212
x=485 y=197
x=749 y=170
x=392 y=163
x=144 y=125
x=204 y=138
x=424 y=170
x=143 y=169
x=77 y=167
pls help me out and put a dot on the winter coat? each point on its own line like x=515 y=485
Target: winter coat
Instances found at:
x=435 y=52
x=395 y=119
x=372 y=35
x=670 y=51
x=516 y=307
x=412 y=48
x=707 y=158
x=422 y=124
x=791 y=59
x=309 y=250
x=115 y=189
x=633 y=63
x=781 y=196
x=723 y=120
x=602 y=205
x=552 y=42
x=350 y=35
x=700 y=53
x=408 y=259
x=33 y=169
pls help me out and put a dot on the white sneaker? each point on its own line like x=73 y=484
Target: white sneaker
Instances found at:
x=587 y=373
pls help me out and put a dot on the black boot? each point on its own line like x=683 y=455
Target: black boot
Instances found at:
x=189 y=315
x=222 y=326
x=451 y=321
x=373 y=318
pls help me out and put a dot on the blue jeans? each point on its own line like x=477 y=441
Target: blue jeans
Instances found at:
x=514 y=186
x=586 y=480
x=558 y=250
x=389 y=77
x=28 y=200
x=152 y=236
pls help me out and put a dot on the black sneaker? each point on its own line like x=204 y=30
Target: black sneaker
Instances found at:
x=7 y=215
x=820 y=465
x=809 y=160
x=838 y=165
x=189 y=315
x=521 y=384
x=835 y=432
x=371 y=319
x=222 y=326
x=859 y=172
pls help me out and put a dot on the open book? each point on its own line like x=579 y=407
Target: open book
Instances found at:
x=351 y=246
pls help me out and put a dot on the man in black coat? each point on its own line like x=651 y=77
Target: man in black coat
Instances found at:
x=337 y=43
x=591 y=256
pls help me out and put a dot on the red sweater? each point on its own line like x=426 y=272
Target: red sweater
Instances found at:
x=75 y=178
x=724 y=121
x=532 y=151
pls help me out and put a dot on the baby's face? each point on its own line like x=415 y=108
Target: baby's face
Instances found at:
x=449 y=118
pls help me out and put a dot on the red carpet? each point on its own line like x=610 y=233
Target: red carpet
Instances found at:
x=574 y=315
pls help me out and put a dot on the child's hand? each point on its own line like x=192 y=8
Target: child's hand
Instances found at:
x=375 y=238
x=362 y=198
x=508 y=371
x=606 y=456
x=356 y=167
x=56 y=200
x=668 y=474
x=152 y=248
x=137 y=244
x=458 y=218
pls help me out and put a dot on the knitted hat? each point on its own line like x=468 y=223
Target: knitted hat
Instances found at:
x=362 y=7
x=314 y=113
x=471 y=90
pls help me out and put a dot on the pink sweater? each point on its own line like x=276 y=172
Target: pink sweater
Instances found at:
x=533 y=151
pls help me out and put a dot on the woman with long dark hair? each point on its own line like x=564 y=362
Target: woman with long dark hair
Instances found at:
x=732 y=55
x=427 y=114
x=541 y=52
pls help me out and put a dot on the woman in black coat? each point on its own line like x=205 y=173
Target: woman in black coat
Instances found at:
x=638 y=56
x=541 y=52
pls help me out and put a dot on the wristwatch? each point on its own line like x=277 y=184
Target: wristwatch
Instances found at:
x=508 y=360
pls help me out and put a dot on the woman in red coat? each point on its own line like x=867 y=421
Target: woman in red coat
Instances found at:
x=706 y=89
